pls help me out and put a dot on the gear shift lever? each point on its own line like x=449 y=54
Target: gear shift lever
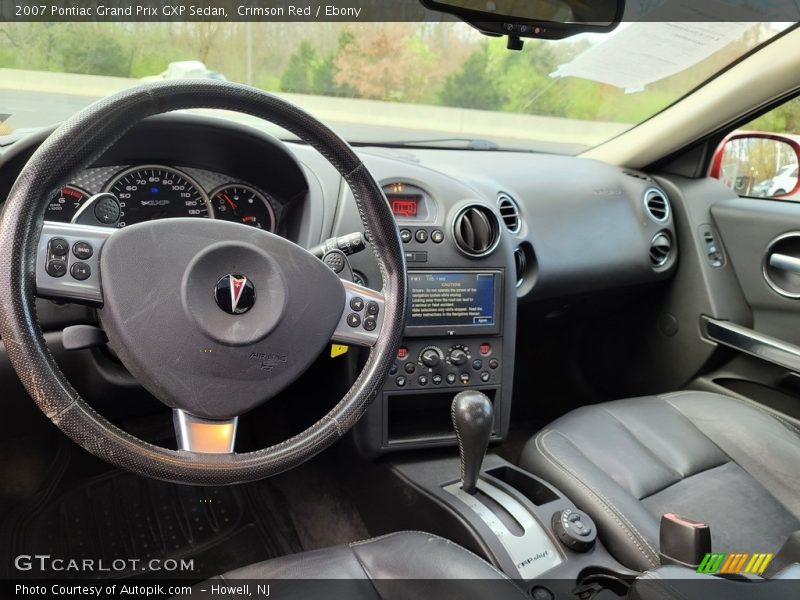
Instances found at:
x=473 y=417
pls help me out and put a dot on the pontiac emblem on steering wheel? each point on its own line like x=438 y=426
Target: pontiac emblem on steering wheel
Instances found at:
x=235 y=294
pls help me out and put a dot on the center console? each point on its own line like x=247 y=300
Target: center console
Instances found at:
x=460 y=324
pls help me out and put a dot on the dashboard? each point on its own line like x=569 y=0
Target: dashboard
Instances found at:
x=483 y=233
x=117 y=196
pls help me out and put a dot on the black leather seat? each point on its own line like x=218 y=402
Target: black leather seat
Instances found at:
x=399 y=565
x=704 y=456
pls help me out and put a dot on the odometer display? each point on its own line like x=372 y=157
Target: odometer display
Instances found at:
x=65 y=204
x=155 y=192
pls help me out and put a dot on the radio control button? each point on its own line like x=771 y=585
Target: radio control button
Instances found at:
x=59 y=246
x=56 y=268
x=80 y=271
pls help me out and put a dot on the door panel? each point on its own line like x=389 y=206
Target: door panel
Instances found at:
x=749 y=229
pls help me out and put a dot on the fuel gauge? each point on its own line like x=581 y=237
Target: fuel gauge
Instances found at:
x=243 y=204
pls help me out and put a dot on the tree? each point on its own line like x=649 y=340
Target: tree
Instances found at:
x=475 y=85
x=299 y=74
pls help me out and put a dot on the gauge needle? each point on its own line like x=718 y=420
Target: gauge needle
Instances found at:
x=230 y=202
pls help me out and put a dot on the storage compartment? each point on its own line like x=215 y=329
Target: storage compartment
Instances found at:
x=527 y=485
x=415 y=417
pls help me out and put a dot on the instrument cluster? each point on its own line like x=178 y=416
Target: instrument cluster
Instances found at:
x=121 y=196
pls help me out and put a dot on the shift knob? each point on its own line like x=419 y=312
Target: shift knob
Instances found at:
x=473 y=417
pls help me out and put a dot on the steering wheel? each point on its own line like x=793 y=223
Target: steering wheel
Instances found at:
x=213 y=318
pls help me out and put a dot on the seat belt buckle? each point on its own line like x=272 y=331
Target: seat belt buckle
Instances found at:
x=683 y=541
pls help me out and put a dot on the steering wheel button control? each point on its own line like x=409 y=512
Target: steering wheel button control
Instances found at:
x=405 y=235
x=58 y=247
x=80 y=271
x=372 y=308
x=56 y=268
x=421 y=236
x=353 y=320
x=437 y=236
x=357 y=304
x=82 y=250
x=370 y=323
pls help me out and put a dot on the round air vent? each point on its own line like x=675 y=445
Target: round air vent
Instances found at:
x=656 y=205
x=509 y=212
x=476 y=230
x=660 y=249
x=520 y=264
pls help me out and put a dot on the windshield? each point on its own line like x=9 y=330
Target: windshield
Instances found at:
x=427 y=83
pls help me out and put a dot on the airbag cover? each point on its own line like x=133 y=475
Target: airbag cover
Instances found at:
x=162 y=319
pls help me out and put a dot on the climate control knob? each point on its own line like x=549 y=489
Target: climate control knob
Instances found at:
x=431 y=357
x=458 y=357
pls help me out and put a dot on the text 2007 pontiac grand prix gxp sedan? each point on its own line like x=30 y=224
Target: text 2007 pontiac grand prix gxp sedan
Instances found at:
x=519 y=280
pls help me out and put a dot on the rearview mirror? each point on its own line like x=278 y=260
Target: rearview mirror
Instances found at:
x=547 y=19
x=759 y=165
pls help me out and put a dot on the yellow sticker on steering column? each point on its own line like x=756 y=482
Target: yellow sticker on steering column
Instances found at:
x=338 y=350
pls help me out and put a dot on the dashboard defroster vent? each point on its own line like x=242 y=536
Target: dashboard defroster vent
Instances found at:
x=509 y=212
x=657 y=205
x=476 y=230
x=660 y=249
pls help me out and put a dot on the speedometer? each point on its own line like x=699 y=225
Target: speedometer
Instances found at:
x=154 y=192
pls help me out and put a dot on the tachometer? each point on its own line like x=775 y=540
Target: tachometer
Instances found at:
x=154 y=192
x=243 y=204
x=65 y=204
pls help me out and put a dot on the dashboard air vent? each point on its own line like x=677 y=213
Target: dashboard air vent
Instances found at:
x=509 y=212
x=656 y=204
x=660 y=249
x=520 y=264
x=476 y=230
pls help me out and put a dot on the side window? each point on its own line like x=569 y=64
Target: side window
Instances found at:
x=760 y=160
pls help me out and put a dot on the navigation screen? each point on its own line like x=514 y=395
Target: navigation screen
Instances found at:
x=451 y=299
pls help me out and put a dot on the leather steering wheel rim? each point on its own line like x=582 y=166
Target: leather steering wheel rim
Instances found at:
x=76 y=144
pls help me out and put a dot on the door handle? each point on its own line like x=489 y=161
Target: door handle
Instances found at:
x=785 y=262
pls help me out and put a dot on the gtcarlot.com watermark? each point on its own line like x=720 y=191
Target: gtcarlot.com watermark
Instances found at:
x=48 y=563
